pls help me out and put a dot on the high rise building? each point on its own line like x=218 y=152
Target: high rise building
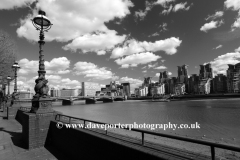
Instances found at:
x=90 y=88
x=126 y=89
x=193 y=84
x=69 y=92
x=172 y=85
x=164 y=79
x=205 y=79
x=220 y=83
x=205 y=71
x=182 y=79
x=233 y=76
x=183 y=70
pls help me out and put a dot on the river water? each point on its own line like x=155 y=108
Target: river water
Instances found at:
x=219 y=119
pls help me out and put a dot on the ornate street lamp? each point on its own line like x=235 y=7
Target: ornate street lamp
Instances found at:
x=8 y=80
x=43 y=24
x=4 y=87
x=15 y=67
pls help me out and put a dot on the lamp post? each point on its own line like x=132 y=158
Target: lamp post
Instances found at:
x=15 y=67
x=8 y=80
x=43 y=24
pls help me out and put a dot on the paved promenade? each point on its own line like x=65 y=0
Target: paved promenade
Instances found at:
x=11 y=147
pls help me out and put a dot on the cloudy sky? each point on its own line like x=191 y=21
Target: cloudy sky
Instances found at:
x=124 y=40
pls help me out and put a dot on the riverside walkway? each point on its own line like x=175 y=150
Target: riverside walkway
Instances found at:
x=11 y=146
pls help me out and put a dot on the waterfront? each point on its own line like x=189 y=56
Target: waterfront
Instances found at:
x=218 y=119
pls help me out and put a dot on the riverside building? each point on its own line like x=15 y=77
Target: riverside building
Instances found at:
x=233 y=76
x=220 y=83
x=205 y=79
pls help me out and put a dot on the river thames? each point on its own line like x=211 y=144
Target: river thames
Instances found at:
x=219 y=119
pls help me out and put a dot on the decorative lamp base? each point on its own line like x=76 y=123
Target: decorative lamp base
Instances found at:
x=41 y=105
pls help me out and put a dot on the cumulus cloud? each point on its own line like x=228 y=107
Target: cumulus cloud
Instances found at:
x=234 y=5
x=220 y=64
x=167 y=10
x=101 y=52
x=133 y=46
x=162 y=27
x=28 y=66
x=163 y=3
x=95 y=42
x=142 y=14
x=211 y=25
x=161 y=67
x=237 y=50
x=79 y=21
x=11 y=4
x=169 y=73
x=138 y=58
x=166 y=4
x=91 y=70
x=134 y=83
x=216 y=15
x=219 y=46
x=152 y=65
x=53 y=78
x=157 y=74
x=177 y=7
x=67 y=81
x=181 y=6
x=144 y=71
x=55 y=66
x=54 y=81
x=154 y=34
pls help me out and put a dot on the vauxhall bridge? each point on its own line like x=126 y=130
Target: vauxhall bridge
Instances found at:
x=69 y=100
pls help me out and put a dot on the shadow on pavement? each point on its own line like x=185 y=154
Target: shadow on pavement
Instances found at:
x=16 y=138
x=56 y=153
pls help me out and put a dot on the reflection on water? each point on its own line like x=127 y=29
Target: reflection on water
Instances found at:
x=218 y=119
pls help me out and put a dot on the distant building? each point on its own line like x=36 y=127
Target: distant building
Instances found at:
x=158 y=89
x=204 y=86
x=206 y=71
x=25 y=95
x=90 y=88
x=233 y=77
x=69 y=92
x=182 y=79
x=193 y=84
x=126 y=89
x=180 y=89
x=55 y=92
x=220 y=83
x=205 y=79
x=164 y=78
x=137 y=92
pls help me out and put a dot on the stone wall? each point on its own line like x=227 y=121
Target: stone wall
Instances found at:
x=84 y=144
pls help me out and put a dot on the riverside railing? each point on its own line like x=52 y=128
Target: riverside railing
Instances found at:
x=143 y=132
x=25 y=108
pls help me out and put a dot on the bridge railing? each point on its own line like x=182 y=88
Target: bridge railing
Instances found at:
x=25 y=108
x=86 y=97
x=212 y=145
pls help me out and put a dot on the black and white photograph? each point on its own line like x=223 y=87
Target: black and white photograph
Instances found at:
x=120 y=79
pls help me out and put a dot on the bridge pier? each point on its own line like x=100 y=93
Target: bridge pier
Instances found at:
x=90 y=101
x=119 y=99
x=67 y=102
x=107 y=100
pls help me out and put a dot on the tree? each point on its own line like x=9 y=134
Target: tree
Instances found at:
x=8 y=54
